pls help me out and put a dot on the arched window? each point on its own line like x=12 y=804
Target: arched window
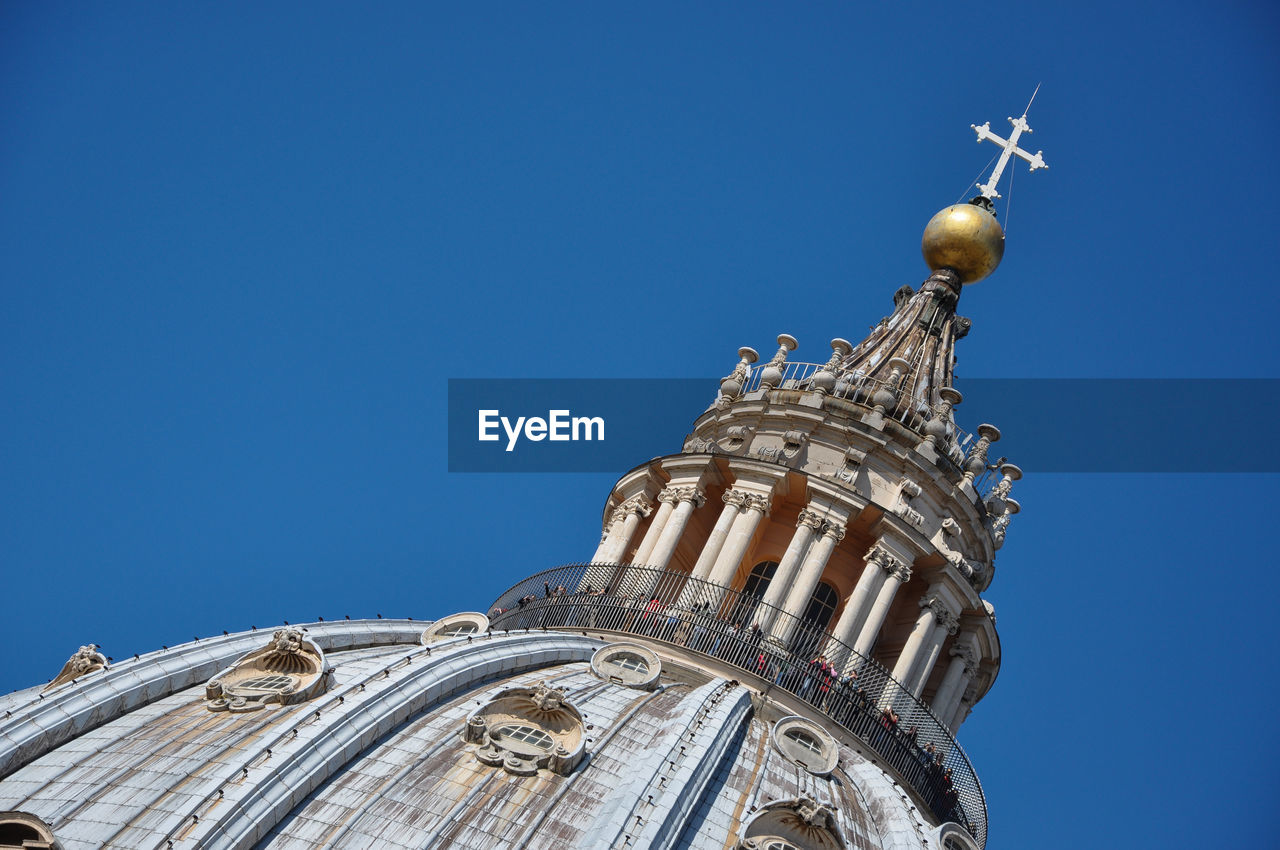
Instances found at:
x=28 y=832
x=758 y=581
x=627 y=664
x=804 y=740
x=753 y=591
x=274 y=682
x=525 y=734
x=821 y=606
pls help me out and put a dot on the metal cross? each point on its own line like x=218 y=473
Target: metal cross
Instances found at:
x=1020 y=126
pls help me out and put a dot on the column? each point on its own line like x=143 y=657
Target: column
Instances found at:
x=806 y=526
x=963 y=707
x=964 y=662
x=917 y=642
x=623 y=523
x=637 y=582
x=754 y=508
x=945 y=624
x=667 y=500
x=733 y=501
x=879 y=564
x=899 y=574
x=687 y=500
x=810 y=572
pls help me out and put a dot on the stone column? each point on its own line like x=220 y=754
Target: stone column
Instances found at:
x=917 y=642
x=754 y=508
x=945 y=624
x=801 y=590
x=687 y=499
x=899 y=574
x=880 y=563
x=964 y=663
x=733 y=501
x=637 y=582
x=806 y=526
x=667 y=502
x=622 y=527
x=963 y=706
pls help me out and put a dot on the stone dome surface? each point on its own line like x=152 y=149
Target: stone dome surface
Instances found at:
x=386 y=755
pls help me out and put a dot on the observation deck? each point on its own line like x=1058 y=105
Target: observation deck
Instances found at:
x=707 y=619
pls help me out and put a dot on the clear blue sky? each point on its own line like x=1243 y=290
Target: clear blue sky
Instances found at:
x=242 y=249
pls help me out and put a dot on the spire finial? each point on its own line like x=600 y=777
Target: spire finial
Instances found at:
x=1011 y=148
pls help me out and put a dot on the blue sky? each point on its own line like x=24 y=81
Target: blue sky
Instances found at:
x=242 y=249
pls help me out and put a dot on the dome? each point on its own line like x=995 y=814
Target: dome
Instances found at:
x=393 y=752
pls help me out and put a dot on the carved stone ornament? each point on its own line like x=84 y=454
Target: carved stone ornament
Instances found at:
x=976 y=463
x=880 y=555
x=84 y=661
x=638 y=505
x=834 y=530
x=853 y=458
x=524 y=730
x=737 y=498
x=942 y=614
x=844 y=476
x=948 y=621
x=908 y=490
x=965 y=651
x=289 y=669
x=698 y=445
x=771 y=374
x=771 y=454
x=735 y=437
x=731 y=385
x=794 y=440
x=801 y=822
x=692 y=494
x=813 y=519
x=756 y=502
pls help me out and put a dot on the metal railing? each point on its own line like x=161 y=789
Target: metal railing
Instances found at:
x=782 y=650
x=911 y=410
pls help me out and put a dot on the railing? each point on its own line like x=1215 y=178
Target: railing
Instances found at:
x=778 y=648
x=910 y=410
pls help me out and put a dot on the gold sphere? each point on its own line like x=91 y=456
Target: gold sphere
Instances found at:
x=966 y=239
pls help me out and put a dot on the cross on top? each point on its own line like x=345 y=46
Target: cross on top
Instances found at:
x=1010 y=146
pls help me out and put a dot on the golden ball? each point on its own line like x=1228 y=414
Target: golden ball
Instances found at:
x=966 y=239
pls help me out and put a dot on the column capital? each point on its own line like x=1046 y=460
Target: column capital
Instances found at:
x=638 y=505
x=756 y=502
x=737 y=498
x=902 y=572
x=942 y=613
x=968 y=655
x=834 y=530
x=675 y=495
x=813 y=519
x=880 y=555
